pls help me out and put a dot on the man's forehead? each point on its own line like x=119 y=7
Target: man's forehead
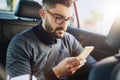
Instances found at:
x=63 y=10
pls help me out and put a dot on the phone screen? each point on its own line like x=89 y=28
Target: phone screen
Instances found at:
x=86 y=51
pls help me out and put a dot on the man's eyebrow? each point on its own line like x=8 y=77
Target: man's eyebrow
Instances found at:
x=59 y=15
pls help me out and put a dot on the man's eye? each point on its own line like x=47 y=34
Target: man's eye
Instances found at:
x=59 y=18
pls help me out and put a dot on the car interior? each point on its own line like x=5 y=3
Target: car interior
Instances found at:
x=27 y=15
x=110 y=65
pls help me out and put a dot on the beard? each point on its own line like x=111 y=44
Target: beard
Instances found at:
x=54 y=32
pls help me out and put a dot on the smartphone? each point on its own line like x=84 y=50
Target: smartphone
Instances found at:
x=86 y=51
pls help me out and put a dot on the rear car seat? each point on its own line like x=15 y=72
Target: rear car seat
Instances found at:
x=27 y=14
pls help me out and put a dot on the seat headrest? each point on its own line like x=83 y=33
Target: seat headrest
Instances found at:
x=28 y=9
x=113 y=38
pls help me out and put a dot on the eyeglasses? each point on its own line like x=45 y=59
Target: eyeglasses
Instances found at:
x=60 y=19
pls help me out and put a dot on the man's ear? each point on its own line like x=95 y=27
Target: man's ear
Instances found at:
x=42 y=13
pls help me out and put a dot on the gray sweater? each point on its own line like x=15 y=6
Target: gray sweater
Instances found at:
x=35 y=52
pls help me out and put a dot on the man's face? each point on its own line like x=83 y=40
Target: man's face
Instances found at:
x=56 y=20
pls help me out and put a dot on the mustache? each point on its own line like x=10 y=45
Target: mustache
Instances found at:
x=60 y=28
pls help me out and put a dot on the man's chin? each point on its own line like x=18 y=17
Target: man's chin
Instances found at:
x=60 y=36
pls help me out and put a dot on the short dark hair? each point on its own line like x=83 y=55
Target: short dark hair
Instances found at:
x=52 y=3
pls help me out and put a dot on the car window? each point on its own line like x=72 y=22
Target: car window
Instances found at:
x=3 y=5
x=8 y=5
x=97 y=15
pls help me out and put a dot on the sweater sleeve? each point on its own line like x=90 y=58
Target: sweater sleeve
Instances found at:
x=17 y=59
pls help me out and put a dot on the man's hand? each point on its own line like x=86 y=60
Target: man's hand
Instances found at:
x=68 y=66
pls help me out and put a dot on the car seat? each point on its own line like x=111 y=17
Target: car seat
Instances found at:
x=26 y=15
x=109 y=68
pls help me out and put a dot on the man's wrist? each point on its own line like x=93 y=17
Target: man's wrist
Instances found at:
x=56 y=72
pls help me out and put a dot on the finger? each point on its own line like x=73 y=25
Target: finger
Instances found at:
x=82 y=62
x=75 y=64
x=71 y=59
x=74 y=69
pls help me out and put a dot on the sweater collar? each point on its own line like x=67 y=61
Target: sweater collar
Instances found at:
x=44 y=36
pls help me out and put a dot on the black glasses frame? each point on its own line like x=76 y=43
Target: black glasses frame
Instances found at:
x=61 y=19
